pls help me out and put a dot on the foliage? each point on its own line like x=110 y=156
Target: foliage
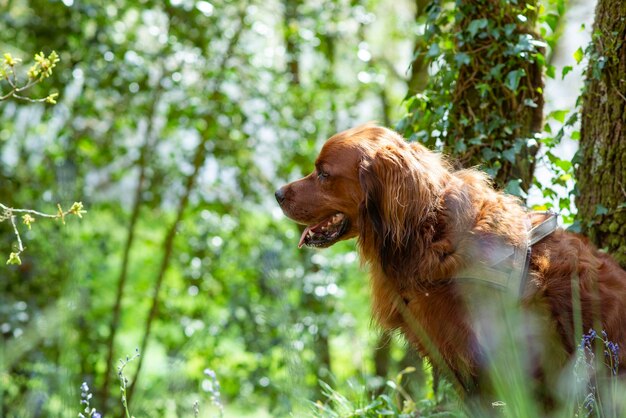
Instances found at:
x=145 y=84
x=28 y=219
x=484 y=100
x=39 y=71
x=595 y=356
x=394 y=401
x=480 y=122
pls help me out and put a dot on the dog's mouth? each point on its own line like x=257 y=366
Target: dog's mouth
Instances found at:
x=325 y=233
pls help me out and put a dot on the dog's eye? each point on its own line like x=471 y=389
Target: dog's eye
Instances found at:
x=322 y=175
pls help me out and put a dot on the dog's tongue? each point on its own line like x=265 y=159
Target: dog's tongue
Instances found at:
x=304 y=235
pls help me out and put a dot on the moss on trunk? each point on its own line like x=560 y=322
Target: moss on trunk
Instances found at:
x=601 y=173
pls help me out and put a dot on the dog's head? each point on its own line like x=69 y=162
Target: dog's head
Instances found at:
x=368 y=182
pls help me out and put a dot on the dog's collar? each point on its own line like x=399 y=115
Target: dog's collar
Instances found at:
x=508 y=271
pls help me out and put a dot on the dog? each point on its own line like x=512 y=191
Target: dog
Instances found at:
x=420 y=225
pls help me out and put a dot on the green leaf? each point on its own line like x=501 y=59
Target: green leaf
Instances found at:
x=475 y=25
x=496 y=71
x=558 y=115
x=563 y=164
x=433 y=51
x=575 y=227
x=601 y=210
x=578 y=55
x=552 y=20
x=513 y=187
x=513 y=78
x=550 y=71
x=530 y=103
x=565 y=71
x=509 y=154
x=461 y=59
x=488 y=154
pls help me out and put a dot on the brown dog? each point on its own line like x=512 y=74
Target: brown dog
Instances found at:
x=420 y=225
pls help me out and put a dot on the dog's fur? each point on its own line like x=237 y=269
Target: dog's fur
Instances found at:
x=418 y=223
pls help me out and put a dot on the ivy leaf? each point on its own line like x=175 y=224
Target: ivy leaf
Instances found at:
x=563 y=164
x=575 y=227
x=552 y=20
x=513 y=78
x=578 y=55
x=509 y=154
x=558 y=115
x=496 y=71
x=565 y=71
x=433 y=51
x=462 y=59
x=530 y=103
x=513 y=187
x=601 y=210
x=475 y=25
x=488 y=154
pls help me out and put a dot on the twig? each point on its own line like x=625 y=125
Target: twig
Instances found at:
x=9 y=213
x=17 y=234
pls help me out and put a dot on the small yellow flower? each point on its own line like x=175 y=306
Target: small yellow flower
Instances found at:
x=39 y=58
x=28 y=220
x=52 y=98
x=14 y=258
x=10 y=61
x=46 y=64
x=33 y=72
x=77 y=209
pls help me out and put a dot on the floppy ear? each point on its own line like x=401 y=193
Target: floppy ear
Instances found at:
x=398 y=213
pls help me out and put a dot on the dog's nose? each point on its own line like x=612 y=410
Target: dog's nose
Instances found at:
x=280 y=195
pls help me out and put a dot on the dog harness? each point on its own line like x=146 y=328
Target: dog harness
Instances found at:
x=507 y=270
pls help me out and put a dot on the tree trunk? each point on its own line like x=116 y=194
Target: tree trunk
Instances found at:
x=601 y=173
x=290 y=35
x=419 y=66
x=497 y=103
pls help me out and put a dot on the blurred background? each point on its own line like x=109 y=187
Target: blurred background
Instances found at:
x=175 y=123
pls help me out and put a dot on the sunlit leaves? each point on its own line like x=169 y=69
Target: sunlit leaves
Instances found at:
x=578 y=55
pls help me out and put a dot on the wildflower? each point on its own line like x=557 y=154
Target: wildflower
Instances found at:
x=588 y=338
x=86 y=396
x=10 y=61
x=77 y=209
x=33 y=71
x=14 y=258
x=214 y=389
x=45 y=64
x=27 y=219
x=51 y=99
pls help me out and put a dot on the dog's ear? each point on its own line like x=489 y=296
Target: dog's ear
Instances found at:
x=400 y=189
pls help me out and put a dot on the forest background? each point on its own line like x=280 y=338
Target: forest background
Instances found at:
x=175 y=121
